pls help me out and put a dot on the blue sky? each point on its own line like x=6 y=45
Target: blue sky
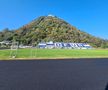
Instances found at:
x=87 y=15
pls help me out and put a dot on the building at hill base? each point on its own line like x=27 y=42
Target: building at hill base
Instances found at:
x=62 y=45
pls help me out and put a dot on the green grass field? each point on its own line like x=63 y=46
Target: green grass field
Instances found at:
x=54 y=53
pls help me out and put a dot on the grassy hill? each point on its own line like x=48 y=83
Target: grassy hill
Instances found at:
x=51 y=28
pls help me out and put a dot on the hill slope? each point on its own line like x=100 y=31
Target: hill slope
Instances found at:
x=51 y=28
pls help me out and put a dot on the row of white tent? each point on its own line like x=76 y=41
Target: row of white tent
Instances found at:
x=5 y=42
x=51 y=45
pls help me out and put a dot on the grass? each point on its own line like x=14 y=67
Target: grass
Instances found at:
x=55 y=53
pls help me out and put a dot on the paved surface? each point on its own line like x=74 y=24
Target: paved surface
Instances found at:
x=91 y=74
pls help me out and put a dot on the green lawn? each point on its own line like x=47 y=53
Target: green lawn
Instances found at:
x=55 y=53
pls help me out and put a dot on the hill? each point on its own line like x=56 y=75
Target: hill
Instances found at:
x=51 y=28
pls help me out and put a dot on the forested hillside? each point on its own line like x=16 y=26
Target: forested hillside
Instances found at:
x=50 y=28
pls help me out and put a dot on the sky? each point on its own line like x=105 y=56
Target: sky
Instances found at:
x=90 y=16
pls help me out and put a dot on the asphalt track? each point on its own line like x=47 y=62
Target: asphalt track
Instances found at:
x=80 y=74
